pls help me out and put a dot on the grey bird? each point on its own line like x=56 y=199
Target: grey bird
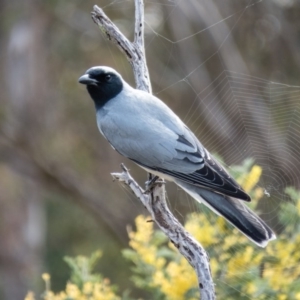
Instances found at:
x=142 y=128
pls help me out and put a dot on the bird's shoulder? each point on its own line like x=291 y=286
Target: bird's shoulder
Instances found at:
x=134 y=107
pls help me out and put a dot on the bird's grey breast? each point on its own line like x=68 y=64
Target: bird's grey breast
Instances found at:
x=144 y=129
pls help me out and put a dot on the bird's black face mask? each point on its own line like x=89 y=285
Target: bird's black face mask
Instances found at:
x=102 y=86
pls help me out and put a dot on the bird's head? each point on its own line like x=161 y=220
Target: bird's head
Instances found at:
x=103 y=84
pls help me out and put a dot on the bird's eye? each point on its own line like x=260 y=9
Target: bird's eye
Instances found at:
x=107 y=77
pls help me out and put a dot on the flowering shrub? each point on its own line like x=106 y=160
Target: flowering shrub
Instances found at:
x=83 y=285
x=240 y=269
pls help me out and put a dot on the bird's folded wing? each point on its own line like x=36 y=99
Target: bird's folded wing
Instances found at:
x=159 y=140
x=199 y=168
x=210 y=174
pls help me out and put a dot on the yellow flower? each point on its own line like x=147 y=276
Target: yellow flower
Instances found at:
x=221 y=225
x=178 y=279
x=72 y=290
x=102 y=291
x=214 y=266
x=144 y=230
x=229 y=241
x=251 y=288
x=279 y=276
x=88 y=288
x=201 y=229
x=258 y=193
x=240 y=259
x=46 y=276
x=141 y=242
x=252 y=178
x=298 y=206
x=30 y=296
x=49 y=295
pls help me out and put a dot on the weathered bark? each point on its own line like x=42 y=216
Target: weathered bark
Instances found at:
x=155 y=201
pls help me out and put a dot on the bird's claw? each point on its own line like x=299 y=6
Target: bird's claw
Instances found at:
x=150 y=184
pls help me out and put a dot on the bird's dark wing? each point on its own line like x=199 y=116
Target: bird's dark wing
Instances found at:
x=154 y=137
x=210 y=174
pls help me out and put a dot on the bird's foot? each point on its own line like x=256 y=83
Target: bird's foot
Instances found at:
x=150 y=184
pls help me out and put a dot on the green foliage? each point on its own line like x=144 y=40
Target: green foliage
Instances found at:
x=84 y=284
x=289 y=214
x=240 y=269
x=81 y=268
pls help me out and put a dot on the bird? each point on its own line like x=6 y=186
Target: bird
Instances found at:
x=145 y=130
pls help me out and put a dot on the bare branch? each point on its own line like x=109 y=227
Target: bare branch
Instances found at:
x=139 y=24
x=133 y=51
x=183 y=241
x=155 y=202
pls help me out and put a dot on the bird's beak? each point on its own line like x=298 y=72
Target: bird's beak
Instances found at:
x=86 y=79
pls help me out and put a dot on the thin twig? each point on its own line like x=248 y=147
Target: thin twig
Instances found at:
x=139 y=24
x=132 y=51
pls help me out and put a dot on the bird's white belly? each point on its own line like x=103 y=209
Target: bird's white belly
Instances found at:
x=161 y=175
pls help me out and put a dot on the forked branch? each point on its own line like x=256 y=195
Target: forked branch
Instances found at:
x=155 y=202
x=134 y=52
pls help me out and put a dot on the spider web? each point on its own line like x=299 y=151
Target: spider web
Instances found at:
x=235 y=112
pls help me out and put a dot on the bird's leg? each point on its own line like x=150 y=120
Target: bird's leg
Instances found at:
x=152 y=182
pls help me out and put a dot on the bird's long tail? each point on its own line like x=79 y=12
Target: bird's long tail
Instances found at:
x=235 y=212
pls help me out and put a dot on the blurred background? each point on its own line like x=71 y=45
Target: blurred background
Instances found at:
x=213 y=62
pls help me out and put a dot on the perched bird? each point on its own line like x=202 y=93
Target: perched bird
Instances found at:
x=142 y=128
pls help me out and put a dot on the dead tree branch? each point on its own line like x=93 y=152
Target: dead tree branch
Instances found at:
x=134 y=52
x=155 y=202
